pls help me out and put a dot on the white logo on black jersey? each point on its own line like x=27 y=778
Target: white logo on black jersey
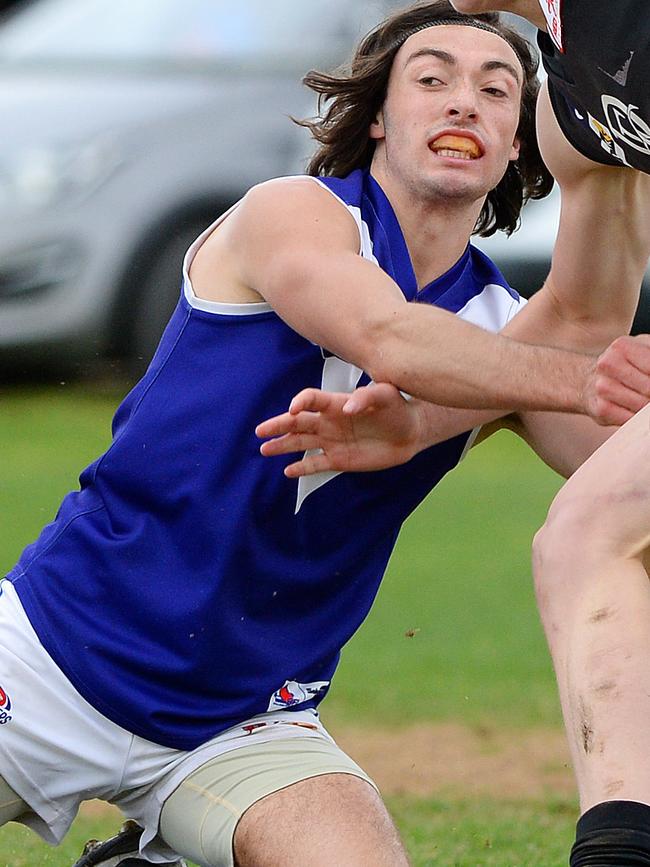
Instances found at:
x=625 y=124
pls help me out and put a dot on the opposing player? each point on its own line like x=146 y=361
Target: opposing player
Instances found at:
x=589 y=562
x=167 y=639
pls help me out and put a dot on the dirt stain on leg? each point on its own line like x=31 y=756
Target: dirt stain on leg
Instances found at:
x=586 y=727
x=606 y=688
x=601 y=614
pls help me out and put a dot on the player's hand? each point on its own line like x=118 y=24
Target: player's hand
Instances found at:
x=619 y=385
x=372 y=429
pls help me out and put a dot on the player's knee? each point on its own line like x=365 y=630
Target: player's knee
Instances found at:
x=333 y=819
x=574 y=538
x=581 y=527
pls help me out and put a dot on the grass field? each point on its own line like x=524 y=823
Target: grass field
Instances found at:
x=451 y=650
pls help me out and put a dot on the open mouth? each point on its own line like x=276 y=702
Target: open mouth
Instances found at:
x=456 y=146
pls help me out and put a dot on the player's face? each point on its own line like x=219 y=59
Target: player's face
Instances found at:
x=448 y=124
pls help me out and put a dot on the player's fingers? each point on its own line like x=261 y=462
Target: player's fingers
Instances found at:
x=372 y=397
x=315 y=400
x=628 y=359
x=606 y=413
x=305 y=422
x=615 y=401
x=276 y=426
x=284 y=445
x=626 y=373
x=310 y=464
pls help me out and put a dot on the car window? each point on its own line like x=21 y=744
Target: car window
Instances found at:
x=122 y=30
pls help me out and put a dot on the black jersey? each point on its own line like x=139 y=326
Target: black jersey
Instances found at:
x=597 y=56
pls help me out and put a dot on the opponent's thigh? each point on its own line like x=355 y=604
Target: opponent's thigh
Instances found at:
x=11 y=806
x=333 y=819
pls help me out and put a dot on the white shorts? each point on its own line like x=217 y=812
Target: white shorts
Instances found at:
x=56 y=750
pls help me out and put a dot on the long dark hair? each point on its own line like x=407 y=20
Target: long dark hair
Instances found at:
x=356 y=94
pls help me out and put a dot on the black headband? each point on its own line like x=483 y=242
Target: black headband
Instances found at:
x=463 y=21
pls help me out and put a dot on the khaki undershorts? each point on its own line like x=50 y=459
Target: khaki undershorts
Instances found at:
x=200 y=817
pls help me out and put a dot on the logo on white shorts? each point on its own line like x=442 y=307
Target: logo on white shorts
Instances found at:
x=5 y=707
x=294 y=693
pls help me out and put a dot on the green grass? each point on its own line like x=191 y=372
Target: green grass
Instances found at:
x=481 y=833
x=456 y=833
x=460 y=576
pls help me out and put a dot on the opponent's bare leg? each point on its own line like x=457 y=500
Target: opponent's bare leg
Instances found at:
x=594 y=598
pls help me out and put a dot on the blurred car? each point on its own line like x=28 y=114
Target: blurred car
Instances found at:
x=129 y=125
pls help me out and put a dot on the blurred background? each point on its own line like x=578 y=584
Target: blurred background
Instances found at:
x=129 y=125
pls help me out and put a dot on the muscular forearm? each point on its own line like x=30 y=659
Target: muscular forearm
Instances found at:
x=437 y=357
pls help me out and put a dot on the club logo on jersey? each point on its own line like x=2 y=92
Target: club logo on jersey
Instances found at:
x=5 y=707
x=625 y=124
x=552 y=10
x=293 y=693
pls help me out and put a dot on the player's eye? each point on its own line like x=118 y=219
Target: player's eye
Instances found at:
x=430 y=80
x=495 y=91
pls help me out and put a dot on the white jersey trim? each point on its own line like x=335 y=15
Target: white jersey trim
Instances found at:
x=477 y=312
x=226 y=308
x=222 y=308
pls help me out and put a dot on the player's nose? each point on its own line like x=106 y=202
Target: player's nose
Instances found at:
x=462 y=104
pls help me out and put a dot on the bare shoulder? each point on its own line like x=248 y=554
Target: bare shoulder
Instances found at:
x=297 y=208
x=279 y=220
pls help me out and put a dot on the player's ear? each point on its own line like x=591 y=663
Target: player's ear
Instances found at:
x=377 y=130
x=514 y=153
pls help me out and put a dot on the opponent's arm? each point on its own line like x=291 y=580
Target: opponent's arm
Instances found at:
x=529 y=9
x=298 y=247
x=601 y=251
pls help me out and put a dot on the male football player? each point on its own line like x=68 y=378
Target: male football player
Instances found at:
x=225 y=591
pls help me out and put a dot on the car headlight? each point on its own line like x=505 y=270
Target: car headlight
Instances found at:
x=41 y=176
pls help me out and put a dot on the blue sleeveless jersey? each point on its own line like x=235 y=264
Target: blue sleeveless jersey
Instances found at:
x=188 y=585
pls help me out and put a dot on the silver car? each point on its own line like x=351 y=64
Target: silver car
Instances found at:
x=128 y=126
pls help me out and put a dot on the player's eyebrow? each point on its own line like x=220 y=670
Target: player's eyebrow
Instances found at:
x=450 y=60
x=445 y=56
x=489 y=65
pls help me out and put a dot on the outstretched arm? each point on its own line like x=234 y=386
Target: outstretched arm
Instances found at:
x=298 y=248
x=375 y=427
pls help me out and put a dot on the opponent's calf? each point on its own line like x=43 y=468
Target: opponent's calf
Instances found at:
x=594 y=599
